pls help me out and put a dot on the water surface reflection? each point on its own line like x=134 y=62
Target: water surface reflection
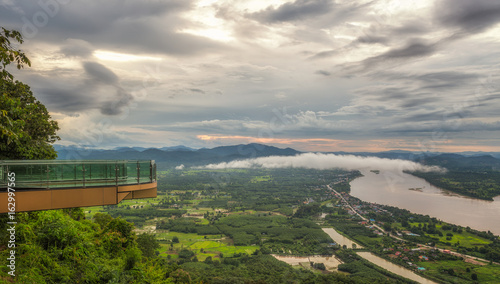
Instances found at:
x=393 y=188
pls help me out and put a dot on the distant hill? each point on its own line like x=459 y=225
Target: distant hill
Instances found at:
x=394 y=154
x=460 y=162
x=177 y=148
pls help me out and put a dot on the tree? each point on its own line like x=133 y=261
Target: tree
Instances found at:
x=9 y=54
x=320 y=266
x=147 y=244
x=186 y=254
x=26 y=128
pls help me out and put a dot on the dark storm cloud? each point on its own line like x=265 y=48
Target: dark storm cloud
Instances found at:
x=370 y=39
x=410 y=28
x=432 y=80
x=443 y=127
x=131 y=26
x=446 y=76
x=437 y=115
x=153 y=37
x=82 y=16
x=470 y=16
x=323 y=72
x=67 y=100
x=324 y=54
x=197 y=91
x=116 y=105
x=409 y=51
x=100 y=73
x=294 y=11
x=412 y=103
x=457 y=19
x=395 y=56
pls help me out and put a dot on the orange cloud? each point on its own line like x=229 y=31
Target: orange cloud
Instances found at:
x=328 y=145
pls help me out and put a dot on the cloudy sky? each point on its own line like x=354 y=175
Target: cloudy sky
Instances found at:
x=308 y=74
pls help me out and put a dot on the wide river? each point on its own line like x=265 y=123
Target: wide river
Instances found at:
x=393 y=188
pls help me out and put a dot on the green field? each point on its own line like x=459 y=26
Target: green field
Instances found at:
x=212 y=245
x=464 y=238
x=261 y=178
x=485 y=274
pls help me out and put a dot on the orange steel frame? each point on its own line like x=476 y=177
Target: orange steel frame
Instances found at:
x=46 y=199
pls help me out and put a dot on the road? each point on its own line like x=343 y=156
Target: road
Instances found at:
x=470 y=258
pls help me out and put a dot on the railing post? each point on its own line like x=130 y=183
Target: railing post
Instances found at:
x=83 y=172
x=138 y=172
x=116 y=173
x=6 y=176
x=150 y=171
x=47 y=171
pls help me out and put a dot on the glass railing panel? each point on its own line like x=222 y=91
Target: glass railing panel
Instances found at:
x=70 y=176
x=30 y=176
x=131 y=177
x=144 y=171
x=67 y=174
x=99 y=175
x=54 y=175
x=122 y=173
x=79 y=176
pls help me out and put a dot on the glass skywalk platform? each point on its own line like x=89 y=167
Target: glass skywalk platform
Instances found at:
x=54 y=184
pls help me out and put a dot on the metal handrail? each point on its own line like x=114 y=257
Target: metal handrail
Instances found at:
x=76 y=173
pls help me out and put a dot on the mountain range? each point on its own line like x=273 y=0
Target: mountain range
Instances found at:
x=168 y=157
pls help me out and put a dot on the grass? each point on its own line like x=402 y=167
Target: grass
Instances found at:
x=91 y=211
x=465 y=238
x=212 y=246
x=261 y=178
x=183 y=237
x=486 y=273
x=368 y=241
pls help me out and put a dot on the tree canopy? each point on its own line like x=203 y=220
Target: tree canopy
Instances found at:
x=26 y=128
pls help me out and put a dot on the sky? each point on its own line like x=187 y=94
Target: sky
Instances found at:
x=314 y=75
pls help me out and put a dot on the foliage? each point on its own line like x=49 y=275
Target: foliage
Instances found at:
x=147 y=244
x=362 y=270
x=256 y=269
x=308 y=210
x=8 y=54
x=26 y=128
x=478 y=184
x=54 y=247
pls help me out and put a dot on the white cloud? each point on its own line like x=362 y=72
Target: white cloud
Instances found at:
x=326 y=161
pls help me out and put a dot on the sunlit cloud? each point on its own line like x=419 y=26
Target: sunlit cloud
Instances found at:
x=122 y=57
x=213 y=33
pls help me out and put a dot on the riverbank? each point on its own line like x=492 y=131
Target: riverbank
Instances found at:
x=391 y=188
x=484 y=185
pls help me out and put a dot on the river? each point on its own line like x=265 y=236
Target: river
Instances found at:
x=393 y=188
